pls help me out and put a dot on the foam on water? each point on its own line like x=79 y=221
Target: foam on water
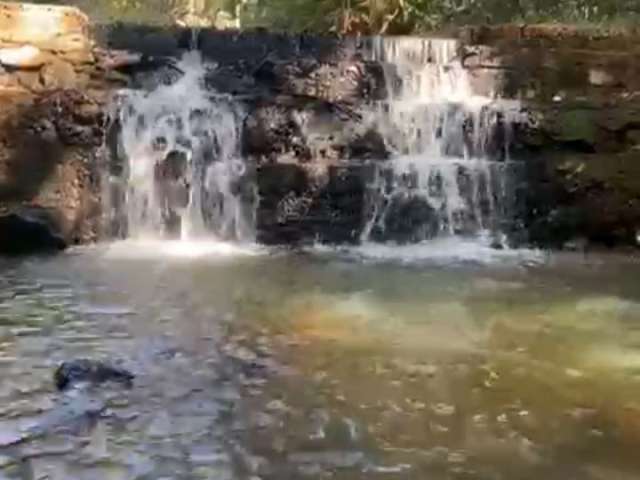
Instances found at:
x=188 y=249
x=439 y=251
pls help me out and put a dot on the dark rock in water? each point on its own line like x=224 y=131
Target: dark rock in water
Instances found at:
x=369 y=146
x=296 y=208
x=90 y=371
x=172 y=189
x=71 y=414
x=29 y=230
x=408 y=219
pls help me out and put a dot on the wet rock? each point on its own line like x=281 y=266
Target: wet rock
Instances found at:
x=345 y=80
x=29 y=230
x=591 y=197
x=368 y=146
x=71 y=414
x=272 y=132
x=85 y=371
x=299 y=205
x=407 y=219
x=172 y=189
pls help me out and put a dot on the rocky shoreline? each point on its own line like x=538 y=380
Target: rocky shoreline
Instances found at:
x=577 y=138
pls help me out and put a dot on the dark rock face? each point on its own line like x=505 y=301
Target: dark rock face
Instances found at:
x=300 y=206
x=272 y=131
x=581 y=172
x=577 y=135
x=84 y=371
x=29 y=230
x=408 y=219
x=593 y=198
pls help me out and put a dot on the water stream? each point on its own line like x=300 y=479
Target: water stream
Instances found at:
x=451 y=170
x=184 y=176
x=256 y=363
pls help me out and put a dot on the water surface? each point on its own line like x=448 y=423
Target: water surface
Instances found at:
x=428 y=362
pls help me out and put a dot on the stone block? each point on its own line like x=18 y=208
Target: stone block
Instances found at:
x=49 y=27
x=58 y=74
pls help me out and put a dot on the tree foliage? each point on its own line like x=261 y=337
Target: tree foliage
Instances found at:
x=361 y=16
x=407 y=16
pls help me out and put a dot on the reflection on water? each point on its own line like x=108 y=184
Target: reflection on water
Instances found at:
x=274 y=365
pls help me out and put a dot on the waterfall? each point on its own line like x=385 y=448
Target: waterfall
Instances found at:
x=450 y=173
x=183 y=172
x=450 y=170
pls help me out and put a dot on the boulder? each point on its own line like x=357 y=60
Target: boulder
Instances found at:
x=48 y=27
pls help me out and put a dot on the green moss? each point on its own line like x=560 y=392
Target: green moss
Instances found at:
x=576 y=126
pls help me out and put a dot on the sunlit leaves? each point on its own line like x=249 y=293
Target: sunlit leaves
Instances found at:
x=359 y=16
x=410 y=16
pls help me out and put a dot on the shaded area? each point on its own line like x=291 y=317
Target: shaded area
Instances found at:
x=49 y=181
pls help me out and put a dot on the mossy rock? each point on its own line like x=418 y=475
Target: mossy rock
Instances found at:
x=577 y=125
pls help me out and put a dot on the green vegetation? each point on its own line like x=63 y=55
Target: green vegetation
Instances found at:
x=410 y=16
x=364 y=16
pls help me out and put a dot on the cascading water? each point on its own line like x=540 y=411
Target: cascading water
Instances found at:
x=184 y=175
x=450 y=169
x=449 y=175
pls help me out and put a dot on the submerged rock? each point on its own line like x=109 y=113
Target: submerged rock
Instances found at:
x=83 y=371
x=71 y=414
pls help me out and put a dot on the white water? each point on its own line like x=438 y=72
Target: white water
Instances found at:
x=159 y=249
x=201 y=129
x=441 y=136
x=443 y=251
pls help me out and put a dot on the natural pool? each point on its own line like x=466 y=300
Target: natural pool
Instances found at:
x=250 y=363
